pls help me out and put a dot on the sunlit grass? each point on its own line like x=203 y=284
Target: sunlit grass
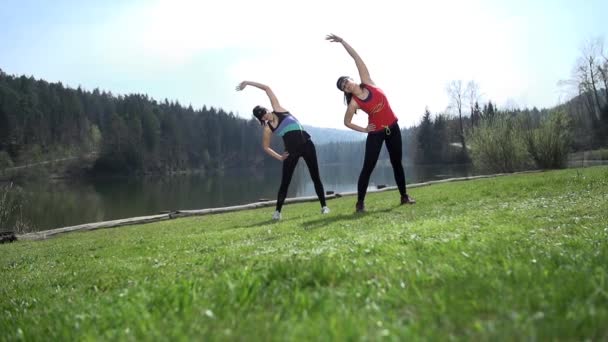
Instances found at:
x=511 y=258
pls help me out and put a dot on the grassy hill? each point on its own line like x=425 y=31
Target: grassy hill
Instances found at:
x=521 y=257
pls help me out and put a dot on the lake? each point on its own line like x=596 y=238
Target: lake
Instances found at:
x=59 y=203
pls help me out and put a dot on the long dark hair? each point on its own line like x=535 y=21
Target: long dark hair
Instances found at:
x=347 y=96
x=258 y=112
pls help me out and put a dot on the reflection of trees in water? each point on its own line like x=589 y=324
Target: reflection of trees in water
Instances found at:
x=59 y=204
x=150 y=195
x=343 y=178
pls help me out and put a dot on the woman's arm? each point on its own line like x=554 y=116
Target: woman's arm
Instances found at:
x=348 y=118
x=273 y=99
x=268 y=149
x=363 y=72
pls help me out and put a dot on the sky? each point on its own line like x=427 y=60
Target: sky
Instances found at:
x=196 y=52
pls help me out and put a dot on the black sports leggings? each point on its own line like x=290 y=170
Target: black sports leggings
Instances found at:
x=373 y=145
x=309 y=153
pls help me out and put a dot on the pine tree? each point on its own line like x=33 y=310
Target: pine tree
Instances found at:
x=425 y=138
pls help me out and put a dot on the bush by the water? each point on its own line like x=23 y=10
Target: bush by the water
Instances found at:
x=508 y=143
x=548 y=144
x=498 y=145
x=11 y=199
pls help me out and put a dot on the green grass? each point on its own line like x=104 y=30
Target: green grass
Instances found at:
x=521 y=257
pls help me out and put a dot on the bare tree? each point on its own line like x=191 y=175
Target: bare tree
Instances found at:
x=604 y=74
x=457 y=96
x=588 y=74
x=472 y=94
x=603 y=68
x=582 y=83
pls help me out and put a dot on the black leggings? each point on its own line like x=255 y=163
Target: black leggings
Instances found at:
x=309 y=153
x=373 y=145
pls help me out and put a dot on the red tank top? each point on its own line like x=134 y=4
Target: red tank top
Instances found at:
x=377 y=107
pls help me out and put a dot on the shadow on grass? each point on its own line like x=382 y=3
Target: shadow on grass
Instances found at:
x=265 y=223
x=321 y=222
x=261 y=223
x=330 y=219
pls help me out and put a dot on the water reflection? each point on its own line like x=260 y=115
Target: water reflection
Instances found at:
x=343 y=178
x=52 y=204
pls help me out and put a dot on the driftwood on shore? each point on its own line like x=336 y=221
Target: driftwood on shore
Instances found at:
x=185 y=213
x=92 y=226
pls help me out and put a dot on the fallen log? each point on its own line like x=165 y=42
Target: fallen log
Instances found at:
x=45 y=234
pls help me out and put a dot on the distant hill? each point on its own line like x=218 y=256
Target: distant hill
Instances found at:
x=322 y=135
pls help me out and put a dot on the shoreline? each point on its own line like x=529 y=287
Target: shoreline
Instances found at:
x=45 y=234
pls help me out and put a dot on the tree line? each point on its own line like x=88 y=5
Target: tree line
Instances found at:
x=133 y=133
x=128 y=134
x=513 y=139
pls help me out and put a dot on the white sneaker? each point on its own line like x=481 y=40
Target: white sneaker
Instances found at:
x=276 y=215
x=325 y=210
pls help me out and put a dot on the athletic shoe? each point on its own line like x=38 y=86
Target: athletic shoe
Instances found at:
x=360 y=207
x=325 y=210
x=407 y=200
x=276 y=216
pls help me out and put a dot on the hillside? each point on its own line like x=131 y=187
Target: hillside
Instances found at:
x=519 y=258
x=322 y=135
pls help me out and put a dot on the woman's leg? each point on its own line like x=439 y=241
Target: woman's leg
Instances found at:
x=373 y=144
x=310 y=157
x=289 y=166
x=394 y=147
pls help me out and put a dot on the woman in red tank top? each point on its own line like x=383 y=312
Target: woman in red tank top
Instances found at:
x=382 y=125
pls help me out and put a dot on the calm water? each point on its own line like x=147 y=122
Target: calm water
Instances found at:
x=61 y=203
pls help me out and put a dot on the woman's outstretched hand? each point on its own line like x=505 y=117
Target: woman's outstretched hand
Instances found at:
x=333 y=38
x=241 y=86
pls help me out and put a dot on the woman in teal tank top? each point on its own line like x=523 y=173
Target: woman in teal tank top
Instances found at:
x=297 y=144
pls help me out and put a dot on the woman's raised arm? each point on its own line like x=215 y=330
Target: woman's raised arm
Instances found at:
x=363 y=72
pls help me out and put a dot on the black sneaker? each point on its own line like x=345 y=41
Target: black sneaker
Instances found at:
x=407 y=200
x=360 y=207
